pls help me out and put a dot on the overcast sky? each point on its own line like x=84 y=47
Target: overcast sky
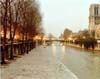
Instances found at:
x=61 y=14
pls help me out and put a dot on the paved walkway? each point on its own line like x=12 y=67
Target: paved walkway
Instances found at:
x=38 y=64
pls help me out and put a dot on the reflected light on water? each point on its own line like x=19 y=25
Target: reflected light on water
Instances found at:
x=63 y=51
x=54 y=49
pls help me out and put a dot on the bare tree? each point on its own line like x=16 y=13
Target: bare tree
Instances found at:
x=21 y=16
x=4 y=21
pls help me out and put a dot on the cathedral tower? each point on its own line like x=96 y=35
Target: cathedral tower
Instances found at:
x=94 y=18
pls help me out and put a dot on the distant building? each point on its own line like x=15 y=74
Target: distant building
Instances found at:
x=94 y=19
x=66 y=33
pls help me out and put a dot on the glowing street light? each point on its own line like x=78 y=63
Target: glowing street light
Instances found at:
x=1 y=34
x=36 y=39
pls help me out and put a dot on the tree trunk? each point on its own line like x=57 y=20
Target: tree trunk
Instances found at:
x=4 y=47
x=4 y=38
x=26 y=46
x=11 y=50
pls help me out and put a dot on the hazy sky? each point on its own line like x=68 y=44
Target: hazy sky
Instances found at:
x=61 y=14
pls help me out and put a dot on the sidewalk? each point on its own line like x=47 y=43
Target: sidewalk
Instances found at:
x=38 y=64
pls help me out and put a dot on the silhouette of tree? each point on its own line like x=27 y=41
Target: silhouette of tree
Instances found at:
x=19 y=16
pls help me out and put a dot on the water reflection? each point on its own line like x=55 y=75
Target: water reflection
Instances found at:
x=84 y=64
x=62 y=51
x=54 y=49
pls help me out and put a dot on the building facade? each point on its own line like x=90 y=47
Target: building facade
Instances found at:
x=94 y=19
x=97 y=32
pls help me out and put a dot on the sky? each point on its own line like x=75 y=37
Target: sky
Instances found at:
x=60 y=14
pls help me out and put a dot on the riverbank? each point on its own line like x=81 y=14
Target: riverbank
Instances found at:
x=79 y=47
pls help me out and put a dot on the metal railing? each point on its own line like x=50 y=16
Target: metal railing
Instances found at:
x=18 y=48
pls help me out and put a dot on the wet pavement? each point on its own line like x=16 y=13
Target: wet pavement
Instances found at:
x=55 y=62
x=84 y=64
x=38 y=64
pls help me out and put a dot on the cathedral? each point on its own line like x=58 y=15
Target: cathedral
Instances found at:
x=94 y=20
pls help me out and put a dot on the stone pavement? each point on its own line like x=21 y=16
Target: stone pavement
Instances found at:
x=38 y=64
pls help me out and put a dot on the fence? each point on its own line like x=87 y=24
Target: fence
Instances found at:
x=18 y=48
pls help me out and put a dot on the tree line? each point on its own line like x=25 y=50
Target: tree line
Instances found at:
x=82 y=38
x=21 y=17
